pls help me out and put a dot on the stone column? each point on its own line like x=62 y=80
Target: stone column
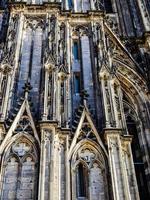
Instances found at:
x=106 y=99
x=131 y=183
x=62 y=170
x=44 y=179
x=73 y=181
x=115 y=162
x=56 y=169
x=117 y=104
x=68 y=170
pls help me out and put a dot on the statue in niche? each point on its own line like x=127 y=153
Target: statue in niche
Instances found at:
x=61 y=47
x=9 y=50
x=51 y=36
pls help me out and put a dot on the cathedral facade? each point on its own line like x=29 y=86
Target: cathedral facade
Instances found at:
x=75 y=100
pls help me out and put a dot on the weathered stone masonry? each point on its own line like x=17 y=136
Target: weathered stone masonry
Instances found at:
x=74 y=99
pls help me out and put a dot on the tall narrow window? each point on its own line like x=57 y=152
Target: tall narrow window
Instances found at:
x=20 y=175
x=62 y=97
x=77 y=87
x=81 y=181
x=108 y=6
x=3 y=88
x=76 y=50
x=70 y=4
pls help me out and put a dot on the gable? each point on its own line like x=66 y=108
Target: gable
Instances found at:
x=86 y=131
x=23 y=122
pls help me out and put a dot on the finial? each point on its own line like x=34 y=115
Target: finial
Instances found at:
x=27 y=87
x=84 y=96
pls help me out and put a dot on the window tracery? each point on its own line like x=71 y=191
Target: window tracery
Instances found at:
x=90 y=170
x=20 y=170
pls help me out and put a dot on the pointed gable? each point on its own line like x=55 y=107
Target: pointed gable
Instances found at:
x=23 y=122
x=86 y=130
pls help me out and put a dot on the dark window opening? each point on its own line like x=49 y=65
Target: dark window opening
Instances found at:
x=108 y=6
x=77 y=84
x=81 y=181
x=76 y=50
x=62 y=97
x=70 y=4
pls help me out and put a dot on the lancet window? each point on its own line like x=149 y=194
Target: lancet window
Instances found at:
x=19 y=175
x=89 y=171
x=82 y=180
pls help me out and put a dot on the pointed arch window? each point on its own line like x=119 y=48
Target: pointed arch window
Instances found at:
x=75 y=50
x=81 y=180
x=20 y=171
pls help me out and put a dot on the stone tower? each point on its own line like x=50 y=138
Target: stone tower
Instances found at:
x=75 y=99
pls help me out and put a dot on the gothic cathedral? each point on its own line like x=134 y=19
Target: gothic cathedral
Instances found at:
x=74 y=100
